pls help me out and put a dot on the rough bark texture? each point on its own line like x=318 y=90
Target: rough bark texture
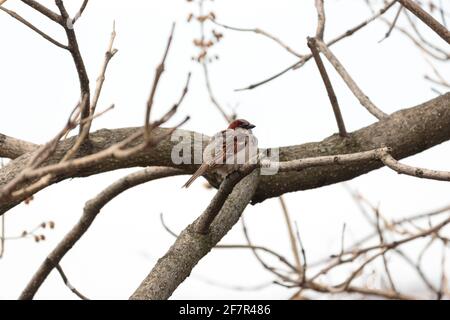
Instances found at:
x=12 y=148
x=407 y=132
x=176 y=265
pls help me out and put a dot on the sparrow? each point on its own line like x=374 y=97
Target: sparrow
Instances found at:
x=228 y=150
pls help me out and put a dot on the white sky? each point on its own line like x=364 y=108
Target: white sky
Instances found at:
x=39 y=88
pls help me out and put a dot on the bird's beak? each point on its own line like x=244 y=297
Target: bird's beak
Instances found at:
x=250 y=126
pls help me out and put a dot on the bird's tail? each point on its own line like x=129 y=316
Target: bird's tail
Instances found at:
x=200 y=171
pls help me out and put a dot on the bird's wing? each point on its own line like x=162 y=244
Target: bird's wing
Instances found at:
x=224 y=146
x=200 y=171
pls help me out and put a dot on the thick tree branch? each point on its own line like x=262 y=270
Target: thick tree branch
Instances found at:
x=407 y=132
x=13 y=148
x=176 y=265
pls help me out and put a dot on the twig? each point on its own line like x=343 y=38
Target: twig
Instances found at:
x=388 y=33
x=261 y=32
x=77 y=58
x=363 y=99
x=305 y=58
x=389 y=161
x=69 y=285
x=34 y=28
x=302 y=248
x=293 y=242
x=385 y=262
x=159 y=71
x=328 y=87
x=80 y=12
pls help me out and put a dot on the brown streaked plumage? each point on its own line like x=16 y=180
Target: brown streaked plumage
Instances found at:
x=226 y=146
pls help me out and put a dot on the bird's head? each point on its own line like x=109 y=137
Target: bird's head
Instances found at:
x=241 y=123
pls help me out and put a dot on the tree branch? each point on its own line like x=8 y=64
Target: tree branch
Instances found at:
x=91 y=210
x=44 y=10
x=363 y=99
x=406 y=132
x=173 y=268
x=226 y=187
x=328 y=86
x=426 y=18
x=34 y=28
x=76 y=56
x=13 y=148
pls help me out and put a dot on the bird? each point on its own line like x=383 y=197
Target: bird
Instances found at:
x=228 y=150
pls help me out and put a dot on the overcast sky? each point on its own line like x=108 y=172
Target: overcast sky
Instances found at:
x=39 y=88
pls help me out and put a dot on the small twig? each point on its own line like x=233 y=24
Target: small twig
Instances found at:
x=389 y=161
x=80 y=12
x=363 y=99
x=302 y=248
x=305 y=58
x=261 y=32
x=385 y=262
x=34 y=28
x=388 y=33
x=328 y=87
x=69 y=285
x=159 y=71
x=344 y=227
x=291 y=234
x=257 y=256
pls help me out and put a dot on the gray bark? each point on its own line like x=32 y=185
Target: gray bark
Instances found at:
x=407 y=132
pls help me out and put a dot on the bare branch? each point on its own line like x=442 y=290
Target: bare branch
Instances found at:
x=261 y=32
x=388 y=33
x=44 y=10
x=226 y=187
x=173 y=268
x=80 y=12
x=159 y=71
x=34 y=28
x=320 y=19
x=363 y=99
x=328 y=87
x=389 y=161
x=292 y=239
x=91 y=210
x=69 y=285
x=77 y=58
x=305 y=58
x=426 y=18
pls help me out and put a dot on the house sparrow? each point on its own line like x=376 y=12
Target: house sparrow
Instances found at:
x=228 y=150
